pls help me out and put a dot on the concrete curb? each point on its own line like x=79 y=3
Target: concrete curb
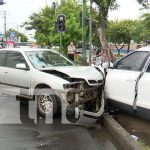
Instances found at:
x=120 y=134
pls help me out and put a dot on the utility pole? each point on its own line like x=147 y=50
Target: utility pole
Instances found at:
x=18 y=35
x=84 y=30
x=5 y=21
x=5 y=27
x=90 y=33
x=54 y=7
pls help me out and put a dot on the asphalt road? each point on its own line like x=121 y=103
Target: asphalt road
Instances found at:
x=19 y=132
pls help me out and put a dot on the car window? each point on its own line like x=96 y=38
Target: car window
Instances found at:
x=148 y=69
x=14 y=58
x=2 y=58
x=44 y=59
x=134 y=61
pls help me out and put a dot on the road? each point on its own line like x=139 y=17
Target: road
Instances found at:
x=26 y=135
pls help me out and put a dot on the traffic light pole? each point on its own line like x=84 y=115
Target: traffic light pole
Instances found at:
x=60 y=48
x=84 y=30
x=60 y=27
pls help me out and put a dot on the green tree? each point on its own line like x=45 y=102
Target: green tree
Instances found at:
x=18 y=34
x=142 y=31
x=145 y=3
x=103 y=7
x=44 y=24
x=73 y=30
x=121 y=32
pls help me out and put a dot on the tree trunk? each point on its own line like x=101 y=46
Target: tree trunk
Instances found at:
x=104 y=43
x=128 y=47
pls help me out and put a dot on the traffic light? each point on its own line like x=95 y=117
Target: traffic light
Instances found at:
x=61 y=23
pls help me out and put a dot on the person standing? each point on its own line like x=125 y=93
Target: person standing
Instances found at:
x=71 y=51
x=98 y=58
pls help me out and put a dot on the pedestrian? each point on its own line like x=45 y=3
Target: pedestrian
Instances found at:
x=98 y=58
x=105 y=57
x=71 y=51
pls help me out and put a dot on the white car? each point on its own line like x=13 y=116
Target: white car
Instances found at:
x=52 y=80
x=127 y=84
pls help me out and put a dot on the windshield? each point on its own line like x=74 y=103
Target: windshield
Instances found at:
x=44 y=59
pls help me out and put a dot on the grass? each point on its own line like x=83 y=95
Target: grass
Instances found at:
x=146 y=147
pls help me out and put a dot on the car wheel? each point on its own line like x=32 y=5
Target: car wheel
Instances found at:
x=46 y=102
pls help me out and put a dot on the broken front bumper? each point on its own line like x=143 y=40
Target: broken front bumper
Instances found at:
x=83 y=117
x=89 y=118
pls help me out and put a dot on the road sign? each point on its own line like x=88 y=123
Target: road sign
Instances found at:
x=1 y=34
x=12 y=34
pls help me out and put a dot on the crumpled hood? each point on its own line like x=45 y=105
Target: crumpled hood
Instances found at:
x=84 y=72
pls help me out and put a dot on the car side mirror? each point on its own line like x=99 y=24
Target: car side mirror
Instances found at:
x=107 y=65
x=21 y=66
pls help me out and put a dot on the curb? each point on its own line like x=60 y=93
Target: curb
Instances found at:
x=123 y=138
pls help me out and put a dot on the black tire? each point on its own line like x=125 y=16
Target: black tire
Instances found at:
x=46 y=102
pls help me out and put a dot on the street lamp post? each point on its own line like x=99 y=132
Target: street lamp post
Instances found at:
x=90 y=32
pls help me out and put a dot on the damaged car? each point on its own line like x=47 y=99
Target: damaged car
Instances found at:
x=53 y=81
x=127 y=83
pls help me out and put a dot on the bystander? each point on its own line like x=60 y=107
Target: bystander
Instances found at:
x=71 y=51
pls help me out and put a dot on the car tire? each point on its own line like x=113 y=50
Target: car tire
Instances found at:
x=47 y=103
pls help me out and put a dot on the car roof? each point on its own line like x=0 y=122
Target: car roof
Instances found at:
x=147 y=48
x=27 y=49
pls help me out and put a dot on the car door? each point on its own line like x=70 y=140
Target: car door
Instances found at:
x=17 y=81
x=121 y=81
x=143 y=98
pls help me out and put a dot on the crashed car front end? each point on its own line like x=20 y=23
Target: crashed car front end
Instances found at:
x=82 y=94
x=85 y=100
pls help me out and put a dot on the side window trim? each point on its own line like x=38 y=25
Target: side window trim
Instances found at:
x=147 y=66
x=144 y=62
x=116 y=63
x=18 y=53
x=141 y=66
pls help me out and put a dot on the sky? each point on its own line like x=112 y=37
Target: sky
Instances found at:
x=18 y=12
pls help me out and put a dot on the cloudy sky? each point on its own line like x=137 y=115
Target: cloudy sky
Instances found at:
x=18 y=11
